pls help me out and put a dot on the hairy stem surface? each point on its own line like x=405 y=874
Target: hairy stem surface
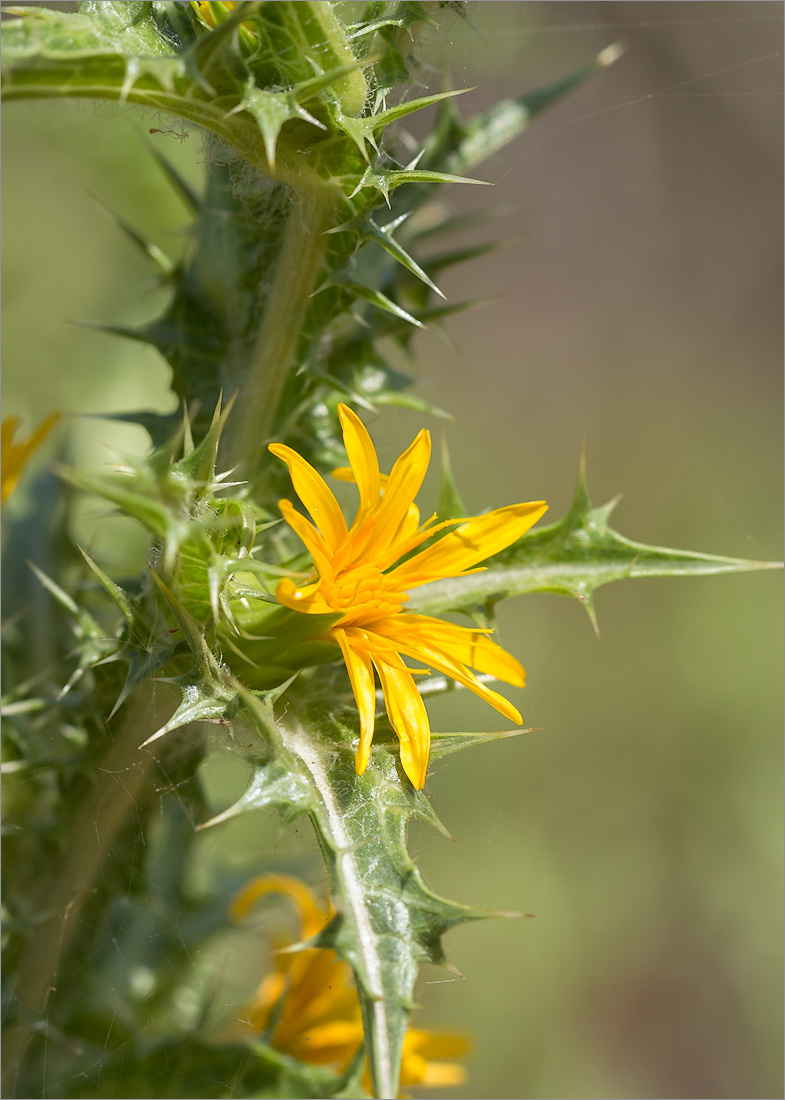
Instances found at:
x=296 y=272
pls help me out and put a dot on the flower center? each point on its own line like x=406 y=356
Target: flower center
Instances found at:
x=364 y=594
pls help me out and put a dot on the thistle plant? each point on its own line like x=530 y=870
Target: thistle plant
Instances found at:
x=251 y=621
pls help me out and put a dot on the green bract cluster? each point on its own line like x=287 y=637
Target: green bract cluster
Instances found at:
x=303 y=257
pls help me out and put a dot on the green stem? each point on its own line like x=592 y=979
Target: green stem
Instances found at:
x=296 y=272
x=352 y=89
x=122 y=775
x=333 y=836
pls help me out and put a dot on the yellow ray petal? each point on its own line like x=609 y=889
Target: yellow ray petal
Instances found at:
x=256 y=1014
x=441 y=1075
x=316 y=993
x=470 y=543
x=346 y=473
x=464 y=644
x=315 y=494
x=406 y=478
x=409 y=718
x=14 y=455
x=362 y=457
x=360 y=669
x=366 y=642
x=436 y=1044
x=328 y=1044
x=315 y=544
x=435 y=657
x=404 y=543
x=309 y=599
x=409 y=525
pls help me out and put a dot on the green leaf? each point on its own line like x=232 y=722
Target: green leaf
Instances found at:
x=116 y=51
x=365 y=130
x=271 y=784
x=104 y=46
x=389 y=921
x=461 y=255
x=94 y=646
x=393 y=114
x=120 y=598
x=143 y=663
x=131 y=499
x=387 y=180
x=271 y=110
x=573 y=557
x=386 y=36
x=146 y=247
x=179 y=183
x=201 y=703
x=376 y=298
x=198 y=466
x=487 y=133
x=385 y=238
x=444 y=744
x=403 y=399
x=207 y=664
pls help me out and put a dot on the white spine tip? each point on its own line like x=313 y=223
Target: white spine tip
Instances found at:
x=610 y=54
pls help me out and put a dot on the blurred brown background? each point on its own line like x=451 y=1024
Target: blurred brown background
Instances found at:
x=642 y=313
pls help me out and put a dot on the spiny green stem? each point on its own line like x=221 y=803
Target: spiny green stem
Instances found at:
x=295 y=277
x=352 y=89
x=122 y=774
x=329 y=823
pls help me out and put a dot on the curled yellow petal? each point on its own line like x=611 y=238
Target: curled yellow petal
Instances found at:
x=315 y=494
x=406 y=477
x=308 y=600
x=346 y=473
x=360 y=669
x=362 y=458
x=443 y=661
x=312 y=915
x=472 y=542
x=315 y=544
x=409 y=719
x=468 y=645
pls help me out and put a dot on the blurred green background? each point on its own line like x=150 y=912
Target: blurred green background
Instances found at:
x=642 y=313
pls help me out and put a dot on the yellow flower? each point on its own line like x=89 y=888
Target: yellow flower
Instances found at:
x=205 y=11
x=14 y=455
x=359 y=572
x=308 y=1006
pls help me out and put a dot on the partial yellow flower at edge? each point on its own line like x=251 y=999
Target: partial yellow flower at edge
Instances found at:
x=14 y=455
x=355 y=572
x=205 y=11
x=308 y=1006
